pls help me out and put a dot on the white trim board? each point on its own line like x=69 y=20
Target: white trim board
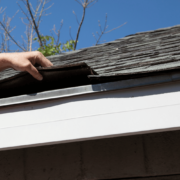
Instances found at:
x=115 y=113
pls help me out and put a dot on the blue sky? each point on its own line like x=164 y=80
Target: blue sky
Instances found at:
x=140 y=15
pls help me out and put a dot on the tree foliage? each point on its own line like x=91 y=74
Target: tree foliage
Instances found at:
x=49 y=47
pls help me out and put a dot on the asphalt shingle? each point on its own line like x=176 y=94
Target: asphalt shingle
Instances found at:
x=146 y=52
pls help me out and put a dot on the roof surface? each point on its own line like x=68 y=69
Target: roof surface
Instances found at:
x=145 y=52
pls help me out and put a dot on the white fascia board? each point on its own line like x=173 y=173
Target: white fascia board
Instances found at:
x=121 y=112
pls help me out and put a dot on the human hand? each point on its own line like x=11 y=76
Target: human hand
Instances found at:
x=24 y=61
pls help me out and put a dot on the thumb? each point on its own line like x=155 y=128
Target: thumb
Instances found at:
x=34 y=72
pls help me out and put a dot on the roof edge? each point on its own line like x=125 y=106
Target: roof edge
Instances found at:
x=109 y=86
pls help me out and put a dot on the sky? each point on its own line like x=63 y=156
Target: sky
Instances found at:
x=140 y=15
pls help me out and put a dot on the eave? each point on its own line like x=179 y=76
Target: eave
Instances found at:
x=129 y=107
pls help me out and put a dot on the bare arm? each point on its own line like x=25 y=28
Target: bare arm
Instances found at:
x=24 y=61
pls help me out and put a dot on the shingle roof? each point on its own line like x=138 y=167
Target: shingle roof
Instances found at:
x=145 y=52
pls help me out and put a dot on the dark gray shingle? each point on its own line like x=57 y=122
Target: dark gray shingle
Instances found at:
x=144 y=52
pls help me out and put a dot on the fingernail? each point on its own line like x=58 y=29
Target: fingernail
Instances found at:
x=40 y=78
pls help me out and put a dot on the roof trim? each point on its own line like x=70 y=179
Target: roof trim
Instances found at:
x=80 y=90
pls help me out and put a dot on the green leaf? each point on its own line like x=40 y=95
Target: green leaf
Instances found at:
x=49 y=48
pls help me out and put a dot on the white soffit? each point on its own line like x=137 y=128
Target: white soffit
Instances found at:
x=121 y=112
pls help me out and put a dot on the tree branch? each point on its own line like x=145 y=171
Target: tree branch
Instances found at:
x=77 y=36
x=42 y=9
x=35 y=26
x=93 y=2
x=85 y=4
x=115 y=28
x=11 y=36
x=23 y=12
x=58 y=33
x=70 y=33
x=79 y=2
x=103 y=31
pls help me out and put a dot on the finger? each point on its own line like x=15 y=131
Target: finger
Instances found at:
x=34 y=72
x=45 y=62
x=42 y=60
